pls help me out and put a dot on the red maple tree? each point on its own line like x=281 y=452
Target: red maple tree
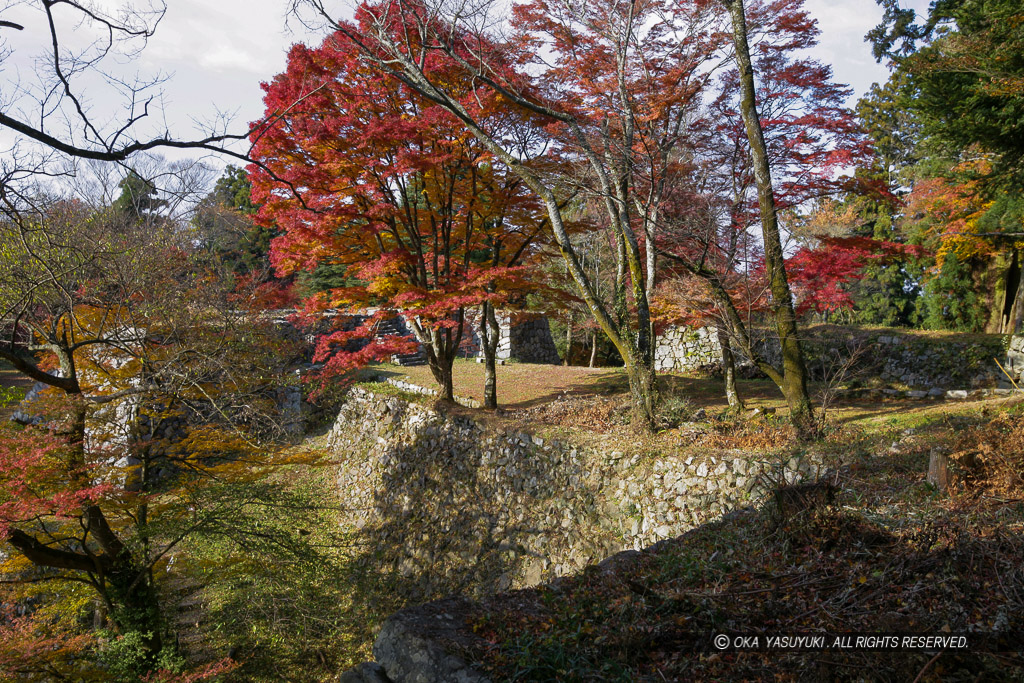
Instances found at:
x=810 y=138
x=361 y=172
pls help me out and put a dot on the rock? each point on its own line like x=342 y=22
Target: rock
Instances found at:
x=936 y=392
x=368 y=672
x=958 y=394
x=411 y=646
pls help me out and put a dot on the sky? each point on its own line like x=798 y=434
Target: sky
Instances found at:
x=215 y=54
x=220 y=51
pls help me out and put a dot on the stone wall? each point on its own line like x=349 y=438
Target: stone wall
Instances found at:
x=1015 y=359
x=937 y=364
x=529 y=340
x=687 y=349
x=894 y=363
x=522 y=336
x=449 y=503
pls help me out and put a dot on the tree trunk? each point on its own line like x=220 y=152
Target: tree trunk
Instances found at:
x=123 y=584
x=1015 y=312
x=593 y=348
x=794 y=369
x=729 y=370
x=441 y=347
x=136 y=607
x=643 y=391
x=442 y=372
x=490 y=333
x=568 y=340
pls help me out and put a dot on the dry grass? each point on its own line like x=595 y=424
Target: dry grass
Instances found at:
x=520 y=385
x=990 y=457
x=889 y=554
x=559 y=395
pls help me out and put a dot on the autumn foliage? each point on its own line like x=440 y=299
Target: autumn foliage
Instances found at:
x=360 y=172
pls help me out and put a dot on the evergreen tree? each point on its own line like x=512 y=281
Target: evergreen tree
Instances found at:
x=965 y=63
x=888 y=290
x=226 y=230
x=951 y=301
x=139 y=198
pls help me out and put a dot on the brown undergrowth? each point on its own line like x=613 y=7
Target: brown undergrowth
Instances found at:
x=882 y=552
x=830 y=571
x=990 y=458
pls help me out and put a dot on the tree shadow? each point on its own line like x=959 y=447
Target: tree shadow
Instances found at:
x=459 y=508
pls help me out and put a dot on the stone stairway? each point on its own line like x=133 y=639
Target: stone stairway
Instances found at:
x=188 y=618
x=394 y=326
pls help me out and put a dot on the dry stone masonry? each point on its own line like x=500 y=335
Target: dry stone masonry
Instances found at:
x=1015 y=360
x=874 y=362
x=687 y=349
x=523 y=336
x=447 y=503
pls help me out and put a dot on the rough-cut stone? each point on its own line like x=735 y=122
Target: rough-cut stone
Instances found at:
x=452 y=505
x=522 y=336
x=1014 y=365
x=414 y=645
x=919 y=363
x=368 y=672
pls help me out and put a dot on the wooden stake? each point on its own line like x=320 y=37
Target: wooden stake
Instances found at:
x=938 y=469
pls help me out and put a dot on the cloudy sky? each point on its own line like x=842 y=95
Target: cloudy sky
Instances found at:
x=220 y=51
x=215 y=54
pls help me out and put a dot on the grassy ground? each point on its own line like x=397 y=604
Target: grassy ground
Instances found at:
x=523 y=386
x=520 y=385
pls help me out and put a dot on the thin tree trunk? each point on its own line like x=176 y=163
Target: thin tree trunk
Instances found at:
x=794 y=369
x=593 y=348
x=729 y=370
x=568 y=339
x=490 y=333
x=1016 y=313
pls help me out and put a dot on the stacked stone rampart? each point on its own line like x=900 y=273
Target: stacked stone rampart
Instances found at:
x=448 y=503
x=891 y=362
